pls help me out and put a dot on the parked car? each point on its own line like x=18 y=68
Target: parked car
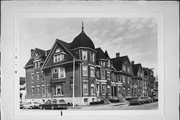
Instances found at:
x=27 y=105
x=147 y=99
x=54 y=104
x=21 y=105
x=136 y=100
x=35 y=105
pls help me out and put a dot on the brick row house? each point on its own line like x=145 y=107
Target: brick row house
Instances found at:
x=49 y=73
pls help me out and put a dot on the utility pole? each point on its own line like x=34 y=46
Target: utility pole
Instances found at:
x=73 y=79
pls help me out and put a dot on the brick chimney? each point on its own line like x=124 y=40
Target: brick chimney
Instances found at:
x=32 y=51
x=132 y=62
x=117 y=55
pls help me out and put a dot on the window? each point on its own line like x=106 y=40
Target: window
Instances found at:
x=119 y=89
x=92 y=72
x=108 y=63
x=38 y=89
x=58 y=50
x=108 y=76
x=32 y=88
x=123 y=79
x=92 y=89
x=103 y=63
x=92 y=57
x=85 y=70
x=128 y=69
x=103 y=89
x=32 y=76
x=39 y=64
x=59 y=72
x=85 y=88
x=37 y=75
x=55 y=73
x=102 y=73
x=124 y=67
x=62 y=72
x=36 y=65
x=43 y=90
x=59 y=57
x=43 y=76
x=59 y=90
x=84 y=54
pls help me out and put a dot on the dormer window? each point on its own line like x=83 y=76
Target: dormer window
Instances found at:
x=84 y=54
x=58 y=57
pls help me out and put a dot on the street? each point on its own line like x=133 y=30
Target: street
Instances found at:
x=113 y=106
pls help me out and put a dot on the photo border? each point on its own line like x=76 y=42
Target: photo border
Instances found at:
x=62 y=10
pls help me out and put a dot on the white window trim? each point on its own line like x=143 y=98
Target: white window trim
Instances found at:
x=64 y=72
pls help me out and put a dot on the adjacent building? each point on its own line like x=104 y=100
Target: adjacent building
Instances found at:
x=50 y=73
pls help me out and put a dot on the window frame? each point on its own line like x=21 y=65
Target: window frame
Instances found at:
x=59 y=86
x=93 y=89
x=92 y=71
x=84 y=53
x=85 y=71
x=37 y=76
x=103 y=72
x=85 y=90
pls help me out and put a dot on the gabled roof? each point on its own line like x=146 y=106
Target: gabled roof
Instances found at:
x=42 y=53
x=106 y=54
x=118 y=62
x=135 y=68
x=100 y=54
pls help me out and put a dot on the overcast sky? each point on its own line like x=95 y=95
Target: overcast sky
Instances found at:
x=135 y=37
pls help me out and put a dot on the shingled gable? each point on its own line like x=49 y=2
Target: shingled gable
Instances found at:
x=41 y=53
x=118 y=62
x=135 y=68
x=65 y=46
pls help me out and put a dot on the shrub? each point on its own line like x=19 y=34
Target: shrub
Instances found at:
x=98 y=102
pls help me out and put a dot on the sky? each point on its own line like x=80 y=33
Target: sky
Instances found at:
x=135 y=37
